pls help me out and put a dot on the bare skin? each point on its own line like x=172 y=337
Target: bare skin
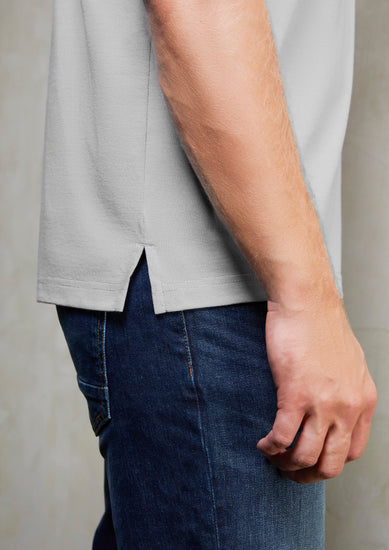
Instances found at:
x=219 y=72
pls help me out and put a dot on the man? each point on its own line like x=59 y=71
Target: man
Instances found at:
x=240 y=329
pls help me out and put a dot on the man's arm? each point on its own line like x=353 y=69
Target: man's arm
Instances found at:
x=218 y=70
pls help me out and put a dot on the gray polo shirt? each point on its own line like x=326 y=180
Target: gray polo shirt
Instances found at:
x=115 y=179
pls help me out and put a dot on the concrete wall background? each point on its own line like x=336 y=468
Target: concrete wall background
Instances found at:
x=358 y=501
x=51 y=484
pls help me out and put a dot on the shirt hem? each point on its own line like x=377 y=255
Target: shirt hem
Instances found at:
x=167 y=297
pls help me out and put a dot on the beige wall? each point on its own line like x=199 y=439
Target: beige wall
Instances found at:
x=51 y=472
x=358 y=501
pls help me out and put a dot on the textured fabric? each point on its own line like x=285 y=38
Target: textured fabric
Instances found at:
x=178 y=402
x=116 y=180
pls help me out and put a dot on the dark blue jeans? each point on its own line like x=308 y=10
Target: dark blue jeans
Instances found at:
x=179 y=401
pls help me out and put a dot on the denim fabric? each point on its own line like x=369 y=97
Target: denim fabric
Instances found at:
x=179 y=401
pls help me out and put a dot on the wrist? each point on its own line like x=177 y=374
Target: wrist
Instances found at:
x=304 y=290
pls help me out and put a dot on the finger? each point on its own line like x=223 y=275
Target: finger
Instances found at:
x=359 y=436
x=285 y=427
x=331 y=460
x=308 y=448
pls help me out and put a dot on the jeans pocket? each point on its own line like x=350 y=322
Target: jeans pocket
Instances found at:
x=85 y=331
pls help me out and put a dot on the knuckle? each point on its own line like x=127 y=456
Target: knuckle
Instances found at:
x=304 y=461
x=326 y=402
x=328 y=472
x=349 y=410
x=354 y=454
x=281 y=440
x=353 y=405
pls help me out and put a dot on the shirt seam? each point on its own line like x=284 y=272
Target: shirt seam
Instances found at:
x=224 y=279
x=42 y=284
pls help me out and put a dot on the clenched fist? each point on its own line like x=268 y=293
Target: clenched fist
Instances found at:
x=323 y=383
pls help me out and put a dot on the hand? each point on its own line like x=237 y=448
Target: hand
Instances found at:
x=323 y=382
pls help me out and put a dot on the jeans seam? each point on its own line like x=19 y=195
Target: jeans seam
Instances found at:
x=204 y=445
x=186 y=344
x=101 y=361
x=106 y=388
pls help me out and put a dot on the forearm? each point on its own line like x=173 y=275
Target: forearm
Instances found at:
x=218 y=70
